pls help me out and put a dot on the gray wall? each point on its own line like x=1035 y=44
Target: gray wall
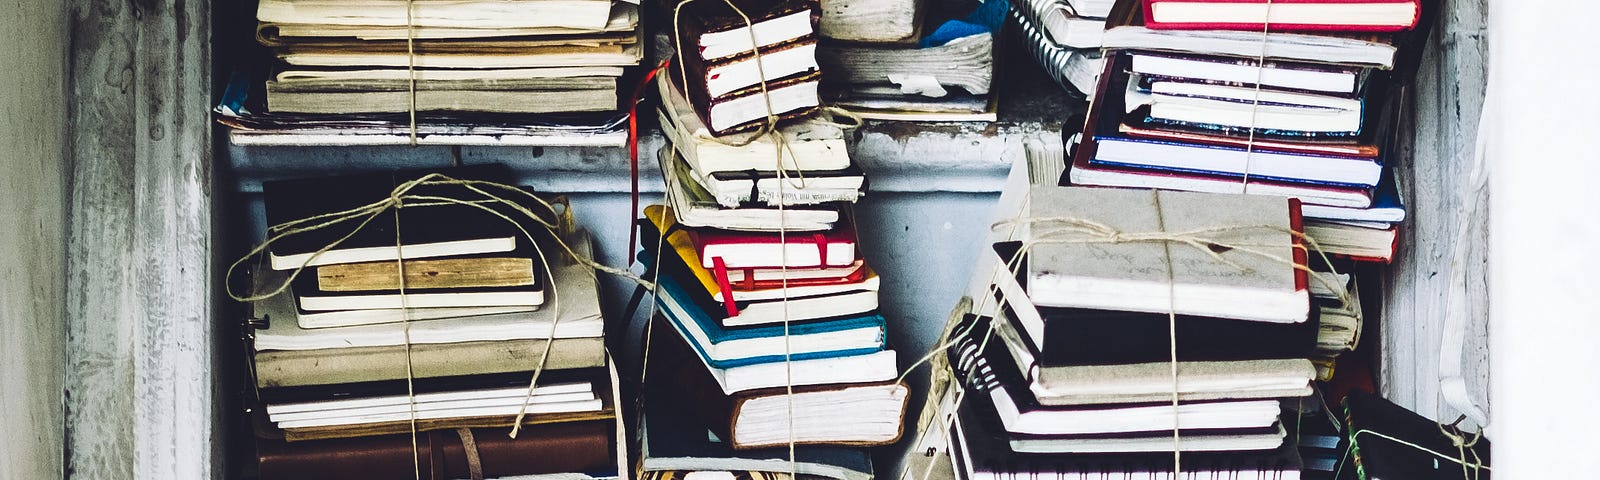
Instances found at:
x=32 y=163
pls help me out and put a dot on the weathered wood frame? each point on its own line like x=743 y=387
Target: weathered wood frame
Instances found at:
x=142 y=274
x=140 y=271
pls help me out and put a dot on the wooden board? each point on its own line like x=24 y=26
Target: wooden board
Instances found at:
x=142 y=401
x=1444 y=120
x=32 y=238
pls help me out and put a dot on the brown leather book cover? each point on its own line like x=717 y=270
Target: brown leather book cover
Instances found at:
x=539 y=449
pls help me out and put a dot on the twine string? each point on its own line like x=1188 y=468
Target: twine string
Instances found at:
x=781 y=147
x=1172 y=331
x=405 y=312
x=402 y=197
x=1255 y=103
x=1458 y=440
x=411 y=71
x=1071 y=230
x=1463 y=446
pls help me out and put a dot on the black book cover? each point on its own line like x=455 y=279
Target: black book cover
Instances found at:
x=674 y=440
x=291 y=200
x=1076 y=336
x=794 y=175
x=988 y=451
x=1374 y=457
x=1378 y=116
x=982 y=367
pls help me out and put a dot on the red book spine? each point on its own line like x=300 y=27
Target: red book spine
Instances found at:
x=1302 y=280
x=1151 y=22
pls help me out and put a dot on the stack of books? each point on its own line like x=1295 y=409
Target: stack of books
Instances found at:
x=1103 y=347
x=717 y=71
x=1289 y=98
x=943 y=73
x=766 y=332
x=762 y=340
x=1064 y=37
x=357 y=360
x=465 y=67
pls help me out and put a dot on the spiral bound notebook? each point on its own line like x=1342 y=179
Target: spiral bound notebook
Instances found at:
x=1074 y=70
x=980 y=453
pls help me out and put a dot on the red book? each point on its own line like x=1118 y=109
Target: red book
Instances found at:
x=740 y=250
x=1283 y=15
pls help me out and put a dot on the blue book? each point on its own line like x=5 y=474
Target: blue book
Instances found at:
x=723 y=347
x=1387 y=206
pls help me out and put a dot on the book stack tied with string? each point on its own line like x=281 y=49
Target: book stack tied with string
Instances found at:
x=1293 y=98
x=367 y=366
x=1124 y=325
x=1064 y=37
x=766 y=333
x=462 y=72
x=942 y=71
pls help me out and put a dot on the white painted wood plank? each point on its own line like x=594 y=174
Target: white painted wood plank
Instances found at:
x=33 y=119
x=140 y=383
x=1446 y=103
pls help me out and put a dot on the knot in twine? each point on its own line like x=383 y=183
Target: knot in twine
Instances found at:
x=1212 y=241
x=402 y=197
x=1463 y=446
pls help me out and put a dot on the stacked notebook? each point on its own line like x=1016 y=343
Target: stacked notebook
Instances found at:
x=1073 y=376
x=763 y=339
x=440 y=322
x=467 y=68
x=1290 y=99
x=742 y=64
x=944 y=74
x=766 y=332
x=1064 y=37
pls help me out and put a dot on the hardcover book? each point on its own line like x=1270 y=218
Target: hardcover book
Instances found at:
x=1075 y=336
x=675 y=352
x=674 y=441
x=732 y=347
x=696 y=207
x=1229 y=440
x=813 y=144
x=856 y=414
x=747 y=300
x=1377 y=428
x=736 y=250
x=1265 y=285
x=288 y=368
x=718 y=62
x=579 y=317
x=980 y=453
x=1283 y=15
x=986 y=373
x=472 y=231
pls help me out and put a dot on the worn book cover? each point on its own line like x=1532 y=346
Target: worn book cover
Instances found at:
x=1218 y=255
